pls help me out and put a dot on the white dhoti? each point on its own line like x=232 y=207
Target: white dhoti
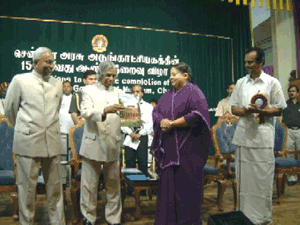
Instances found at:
x=89 y=189
x=255 y=174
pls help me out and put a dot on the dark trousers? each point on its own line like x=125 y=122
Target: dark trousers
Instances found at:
x=140 y=155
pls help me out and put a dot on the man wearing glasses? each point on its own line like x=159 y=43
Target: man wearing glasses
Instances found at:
x=32 y=104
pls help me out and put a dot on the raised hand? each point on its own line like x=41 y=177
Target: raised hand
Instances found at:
x=114 y=108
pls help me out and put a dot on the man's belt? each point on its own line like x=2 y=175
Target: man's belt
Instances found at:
x=294 y=128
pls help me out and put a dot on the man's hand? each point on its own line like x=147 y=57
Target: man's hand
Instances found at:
x=134 y=136
x=113 y=108
x=254 y=109
x=165 y=125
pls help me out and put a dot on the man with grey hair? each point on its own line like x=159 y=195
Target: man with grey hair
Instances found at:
x=32 y=104
x=101 y=145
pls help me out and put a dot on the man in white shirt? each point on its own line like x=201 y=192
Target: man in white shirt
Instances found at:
x=223 y=105
x=136 y=141
x=66 y=123
x=255 y=161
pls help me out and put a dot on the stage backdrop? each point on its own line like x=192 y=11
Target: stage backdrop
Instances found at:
x=144 y=38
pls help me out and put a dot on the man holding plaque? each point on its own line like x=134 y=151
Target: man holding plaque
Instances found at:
x=256 y=99
x=101 y=145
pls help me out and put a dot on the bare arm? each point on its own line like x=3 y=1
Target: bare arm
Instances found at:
x=253 y=109
x=75 y=118
x=266 y=111
x=167 y=125
x=180 y=122
x=238 y=111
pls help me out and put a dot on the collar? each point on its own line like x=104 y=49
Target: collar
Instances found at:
x=67 y=96
x=40 y=76
x=102 y=87
x=289 y=101
x=262 y=77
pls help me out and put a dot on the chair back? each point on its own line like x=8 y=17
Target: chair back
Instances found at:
x=6 y=144
x=280 y=136
x=222 y=133
x=75 y=137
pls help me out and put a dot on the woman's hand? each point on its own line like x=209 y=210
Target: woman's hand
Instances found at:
x=165 y=125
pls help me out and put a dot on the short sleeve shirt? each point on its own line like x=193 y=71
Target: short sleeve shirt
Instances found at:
x=75 y=103
x=249 y=132
x=223 y=107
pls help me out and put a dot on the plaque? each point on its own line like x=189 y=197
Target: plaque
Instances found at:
x=131 y=116
x=261 y=101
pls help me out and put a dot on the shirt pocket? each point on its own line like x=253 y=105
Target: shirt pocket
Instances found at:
x=23 y=129
x=90 y=136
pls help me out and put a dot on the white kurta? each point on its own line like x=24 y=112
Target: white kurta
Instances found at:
x=255 y=156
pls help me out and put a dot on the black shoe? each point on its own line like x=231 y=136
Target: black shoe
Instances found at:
x=86 y=221
x=291 y=183
x=114 y=224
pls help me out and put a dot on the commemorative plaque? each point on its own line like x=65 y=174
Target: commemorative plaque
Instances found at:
x=261 y=101
x=131 y=116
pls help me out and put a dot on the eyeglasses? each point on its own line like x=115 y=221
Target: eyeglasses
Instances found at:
x=50 y=62
x=111 y=74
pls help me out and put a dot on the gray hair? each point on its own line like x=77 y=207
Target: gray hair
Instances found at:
x=37 y=54
x=103 y=67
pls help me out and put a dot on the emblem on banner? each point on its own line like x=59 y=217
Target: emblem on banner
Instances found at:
x=99 y=43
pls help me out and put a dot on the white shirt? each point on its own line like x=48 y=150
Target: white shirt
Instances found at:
x=223 y=106
x=65 y=119
x=249 y=133
x=2 y=106
x=146 y=116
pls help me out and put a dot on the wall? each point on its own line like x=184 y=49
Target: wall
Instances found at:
x=284 y=46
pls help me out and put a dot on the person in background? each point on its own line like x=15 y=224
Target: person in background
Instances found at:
x=31 y=105
x=136 y=141
x=254 y=158
x=153 y=102
x=291 y=117
x=3 y=90
x=181 y=145
x=223 y=106
x=66 y=123
x=100 y=145
x=89 y=78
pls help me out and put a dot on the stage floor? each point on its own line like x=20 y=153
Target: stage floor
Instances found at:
x=288 y=212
